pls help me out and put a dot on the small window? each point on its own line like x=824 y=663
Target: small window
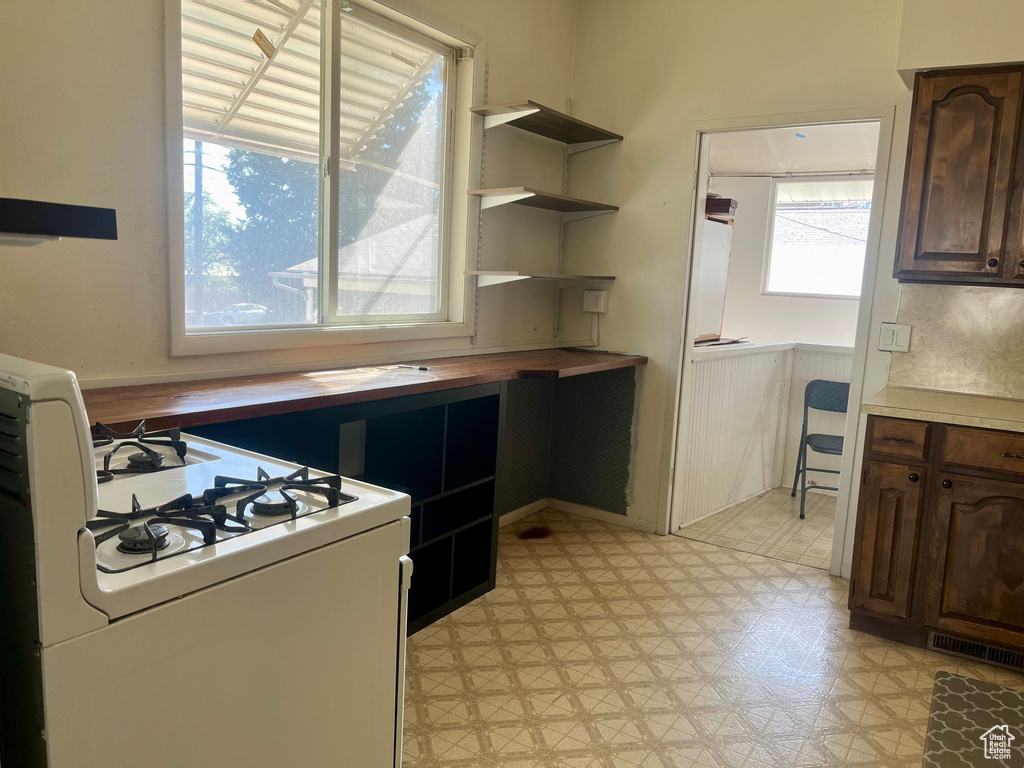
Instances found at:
x=818 y=236
x=316 y=163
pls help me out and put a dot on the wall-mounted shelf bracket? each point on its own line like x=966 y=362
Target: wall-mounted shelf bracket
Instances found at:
x=572 y=207
x=486 y=278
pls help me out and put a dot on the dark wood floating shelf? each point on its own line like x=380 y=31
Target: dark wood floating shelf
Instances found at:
x=572 y=207
x=550 y=123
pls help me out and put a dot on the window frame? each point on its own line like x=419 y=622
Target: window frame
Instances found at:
x=463 y=143
x=776 y=181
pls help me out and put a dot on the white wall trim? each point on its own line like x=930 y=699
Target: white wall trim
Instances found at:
x=885 y=115
x=700 y=354
x=518 y=514
x=647 y=526
x=706 y=515
x=849 y=491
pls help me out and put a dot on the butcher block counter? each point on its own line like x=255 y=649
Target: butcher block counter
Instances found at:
x=212 y=401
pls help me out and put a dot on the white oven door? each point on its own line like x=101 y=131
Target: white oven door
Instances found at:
x=297 y=664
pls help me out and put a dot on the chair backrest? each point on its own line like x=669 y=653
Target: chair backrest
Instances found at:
x=824 y=395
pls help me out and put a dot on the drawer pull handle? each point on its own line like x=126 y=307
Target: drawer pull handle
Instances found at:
x=947 y=483
x=892 y=439
x=914 y=477
x=1012 y=456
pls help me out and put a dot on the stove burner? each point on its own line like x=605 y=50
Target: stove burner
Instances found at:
x=103 y=476
x=145 y=461
x=142 y=539
x=270 y=506
x=276 y=499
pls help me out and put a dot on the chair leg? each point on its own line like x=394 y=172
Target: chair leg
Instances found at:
x=803 y=488
x=801 y=457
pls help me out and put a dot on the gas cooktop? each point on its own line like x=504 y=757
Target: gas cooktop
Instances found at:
x=156 y=465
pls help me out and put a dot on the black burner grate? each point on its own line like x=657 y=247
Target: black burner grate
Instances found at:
x=266 y=497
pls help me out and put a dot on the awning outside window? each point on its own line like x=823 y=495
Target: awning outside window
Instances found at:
x=234 y=95
x=839 y=189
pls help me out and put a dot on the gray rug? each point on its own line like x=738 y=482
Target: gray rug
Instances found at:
x=974 y=725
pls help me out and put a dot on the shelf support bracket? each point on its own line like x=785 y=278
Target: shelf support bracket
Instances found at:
x=492 y=121
x=482 y=281
x=583 y=146
x=577 y=215
x=493 y=201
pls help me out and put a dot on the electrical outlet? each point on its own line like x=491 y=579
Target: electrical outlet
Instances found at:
x=595 y=301
x=894 y=338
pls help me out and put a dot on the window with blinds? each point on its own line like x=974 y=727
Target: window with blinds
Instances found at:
x=315 y=159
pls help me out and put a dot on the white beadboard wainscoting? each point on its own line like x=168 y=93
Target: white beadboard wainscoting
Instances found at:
x=744 y=420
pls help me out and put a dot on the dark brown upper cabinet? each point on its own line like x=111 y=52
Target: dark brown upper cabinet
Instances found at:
x=961 y=220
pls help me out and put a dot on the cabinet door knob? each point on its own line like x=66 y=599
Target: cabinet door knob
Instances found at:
x=947 y=483
x=1022 y=263
x=993 y=262
x=914 y=477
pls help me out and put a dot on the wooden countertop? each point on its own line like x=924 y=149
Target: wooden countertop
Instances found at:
x=212 y=401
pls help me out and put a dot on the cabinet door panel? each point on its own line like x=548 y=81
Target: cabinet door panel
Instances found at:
x=959 y=170
x=976 y=586
x=887 y=532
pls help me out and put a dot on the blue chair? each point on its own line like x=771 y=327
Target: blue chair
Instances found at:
x=820 y=395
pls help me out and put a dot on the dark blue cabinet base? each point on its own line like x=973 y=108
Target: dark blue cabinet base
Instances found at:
x=441 y=448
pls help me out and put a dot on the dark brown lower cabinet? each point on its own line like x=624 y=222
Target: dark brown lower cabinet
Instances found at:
x=890 y=520
x=976 y=559
x=939 y=547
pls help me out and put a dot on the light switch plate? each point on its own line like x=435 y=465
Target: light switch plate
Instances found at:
x=595 y=301
x=894 y=338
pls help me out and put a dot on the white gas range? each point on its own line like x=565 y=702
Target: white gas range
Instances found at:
x=180 y=603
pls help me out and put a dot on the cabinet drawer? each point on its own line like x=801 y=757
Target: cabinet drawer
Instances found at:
x=896 y=437
x=1001 y=451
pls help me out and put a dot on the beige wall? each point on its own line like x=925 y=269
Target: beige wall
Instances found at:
x=959 y=33
x=654 y=82
x=964 y=339
x=763 y=318
x=82 y=122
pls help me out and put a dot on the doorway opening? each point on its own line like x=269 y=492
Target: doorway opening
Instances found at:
x=781 y=235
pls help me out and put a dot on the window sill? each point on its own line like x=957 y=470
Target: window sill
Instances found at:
x=257 y=339
x=793 y=295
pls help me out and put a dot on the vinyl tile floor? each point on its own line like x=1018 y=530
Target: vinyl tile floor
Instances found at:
x=770 y=525
x=605 y=647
